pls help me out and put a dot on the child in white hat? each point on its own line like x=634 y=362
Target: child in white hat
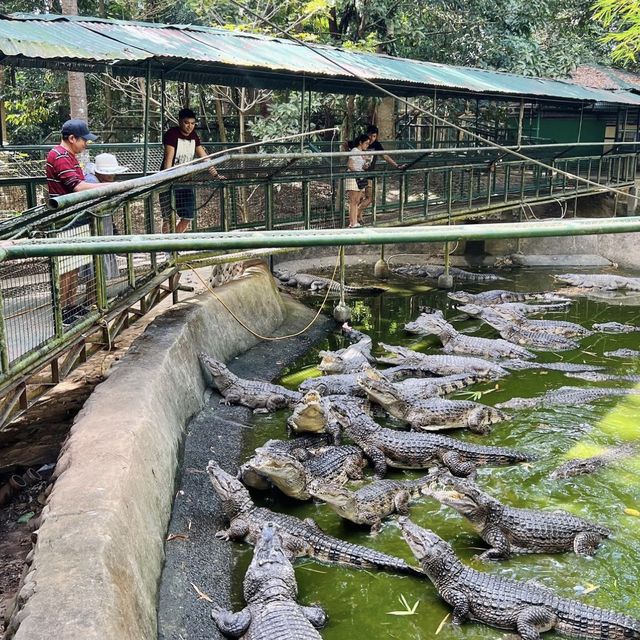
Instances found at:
x=104 y=169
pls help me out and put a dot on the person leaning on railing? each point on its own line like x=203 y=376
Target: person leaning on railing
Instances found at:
x=182 y=144
x=65 y=175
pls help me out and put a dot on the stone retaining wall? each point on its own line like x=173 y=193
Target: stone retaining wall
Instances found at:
x=95 y=568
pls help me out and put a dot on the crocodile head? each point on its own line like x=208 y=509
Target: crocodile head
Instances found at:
x=213 y=366
x=461 y=296
x=467 y=499
x=471 y=309
x=379 y=389
x=577 y=467
x=270 y=574
x=333 y=494
x=234 y=496
x=283 y=469
x=427 y=323
x=309 y=415
x=434 y=554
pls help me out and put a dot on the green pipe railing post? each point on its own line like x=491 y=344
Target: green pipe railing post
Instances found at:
x=56 y=297
x=128 y=225
x=4 y=348
x=224 y=219
x=269 y=206
x=97 y=229
x=147 y=102
x=507 y=182
x=449 y=192
x=470 y=201
x=374 y=199
x=306 y=203
x=342 y=312
x=32 y=198
x=403 y=188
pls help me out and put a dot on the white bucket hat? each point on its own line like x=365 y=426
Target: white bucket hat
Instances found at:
x=106 y=164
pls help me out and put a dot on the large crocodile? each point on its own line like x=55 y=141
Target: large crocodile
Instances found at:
x=351 y=358
x=623 y=353
x=496 y=316
x=292 y=476
x=615 y=327
x=511 y=530
x=525 y=607
x=270 y=591
x=430 y=414
x=599 y=281
x=500 y=296
x=455 y=342
x=433 y=271
x=317 y=283
x=583 y=466
x=255 y=394
x=373 y=502
x=438 y=364
x=566 y=396
x=516 y=365
x=300 y=537
x=300 y=448
x=595 y=376
x=411 y=450
x=519 y=309
x=313 y=414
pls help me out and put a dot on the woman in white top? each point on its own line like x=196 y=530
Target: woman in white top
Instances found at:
x=356 y=163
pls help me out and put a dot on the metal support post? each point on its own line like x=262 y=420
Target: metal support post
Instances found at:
x=147 y=100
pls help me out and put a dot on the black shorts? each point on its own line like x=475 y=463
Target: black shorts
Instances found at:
x=185 y=198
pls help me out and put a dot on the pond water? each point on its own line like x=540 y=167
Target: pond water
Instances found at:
x=363 y=604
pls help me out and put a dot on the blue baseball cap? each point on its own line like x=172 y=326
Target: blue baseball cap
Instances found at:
x=79 y=129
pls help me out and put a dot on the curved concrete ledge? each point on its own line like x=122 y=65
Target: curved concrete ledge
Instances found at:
x=96 y=565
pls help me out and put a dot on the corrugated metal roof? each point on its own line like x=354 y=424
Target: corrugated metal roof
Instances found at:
x=601 y=77
x=207 y=55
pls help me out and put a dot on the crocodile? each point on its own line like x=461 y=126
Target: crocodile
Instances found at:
x=351 y=358
x=525 y=607
x=411 y=450
x=516 y=365
x=316 y=283
x=583 y=466
x=334 y=384
x=599 y=281
x=270 y=591
x=258 y=395
x=518 y=309
x=510 y=530
x=430 y=414
x=301 y=448
x=292 y=476
x=373 y=502
x=433 y=271
x=496 y=316
x=566 y=396
x=615 y=327
x=313 y=414
x=455 y=342
x=300 y=537
x=440 y=365
x=623 y=353
x=500 y=296
x=594 y=376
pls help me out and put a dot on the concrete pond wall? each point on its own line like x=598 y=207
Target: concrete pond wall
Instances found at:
x=95 y=569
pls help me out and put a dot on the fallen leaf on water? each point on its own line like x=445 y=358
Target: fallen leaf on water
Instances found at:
x=632 y=512
x=177 y=536
x=201 y=594
x=590 y=588
x=444 y=620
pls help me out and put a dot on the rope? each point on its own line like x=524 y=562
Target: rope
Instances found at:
x=428 y=113
x=251 y=331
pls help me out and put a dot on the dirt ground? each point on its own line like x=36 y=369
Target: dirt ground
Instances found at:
x=43 y=429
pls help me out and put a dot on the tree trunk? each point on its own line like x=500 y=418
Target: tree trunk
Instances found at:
x=386 y=119
x=220 y=119
x=77 y=86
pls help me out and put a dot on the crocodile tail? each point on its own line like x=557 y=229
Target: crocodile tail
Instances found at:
x=495 y=456
x=337 y=551
x=583 y=621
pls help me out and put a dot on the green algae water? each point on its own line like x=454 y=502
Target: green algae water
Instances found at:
x=361 y=604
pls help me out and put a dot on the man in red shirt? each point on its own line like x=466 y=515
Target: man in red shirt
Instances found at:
x=181 y=144
x=64 y=175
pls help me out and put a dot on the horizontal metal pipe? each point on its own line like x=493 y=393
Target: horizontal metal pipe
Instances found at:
x=115 y=188
x=41 y=247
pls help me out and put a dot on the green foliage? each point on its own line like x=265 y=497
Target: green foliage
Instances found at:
x=623 y=17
